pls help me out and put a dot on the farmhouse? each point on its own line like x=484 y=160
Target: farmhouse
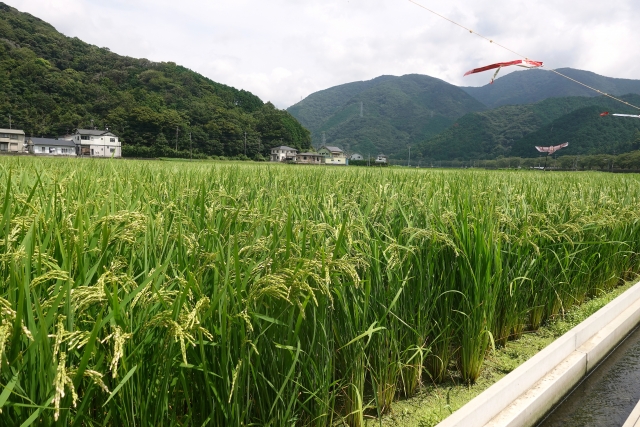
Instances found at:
x=309 y=158
x=332 y=155
x=12 y=140
x=96 y=143
x=381 y=158
x=283 y=153
x=356 y=156
x=51 y=147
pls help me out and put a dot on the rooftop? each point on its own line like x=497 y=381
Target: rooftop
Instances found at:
x=52 y=142
x=332 y=148
x=14 y=131
x=94 y=132
x=284 y=147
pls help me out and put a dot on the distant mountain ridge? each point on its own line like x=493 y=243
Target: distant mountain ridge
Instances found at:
x=506 y=119
x=531 y=86
x=383 y=115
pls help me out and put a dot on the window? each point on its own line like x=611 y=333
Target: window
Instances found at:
x=92 y=151
x=112 y=150
x=4 y=135
x=113 y=140
x=13 y=136
x=85 y=137
x=43 y=149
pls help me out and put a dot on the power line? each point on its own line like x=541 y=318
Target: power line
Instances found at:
x=519 y=54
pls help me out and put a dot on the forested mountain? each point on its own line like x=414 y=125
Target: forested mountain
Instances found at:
x=515 y=130
x=383 y=115
x=51 y=84
x=529 y=86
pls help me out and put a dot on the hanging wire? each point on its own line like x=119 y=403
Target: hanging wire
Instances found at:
x=520 y=55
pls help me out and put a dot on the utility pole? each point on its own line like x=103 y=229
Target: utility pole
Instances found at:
x=361 y=109
x=176 y=138
x=9 y=121
x=190 y=148
x=324 y=138
x=245 y=144
x=409 y=162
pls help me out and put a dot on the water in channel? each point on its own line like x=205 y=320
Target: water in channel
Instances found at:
x=608 y=395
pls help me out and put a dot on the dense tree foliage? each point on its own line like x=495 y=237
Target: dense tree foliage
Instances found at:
x=51 y=84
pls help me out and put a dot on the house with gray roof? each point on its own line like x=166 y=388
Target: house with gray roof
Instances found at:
x=51 y=147
x=283 y=154
x=96 y=143
x=309 y=158
x=332 y=155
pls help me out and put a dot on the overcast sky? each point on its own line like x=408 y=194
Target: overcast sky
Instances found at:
x=284 y=50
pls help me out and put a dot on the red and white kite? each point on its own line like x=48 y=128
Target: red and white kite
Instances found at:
x=526 y=63
x=552 y=149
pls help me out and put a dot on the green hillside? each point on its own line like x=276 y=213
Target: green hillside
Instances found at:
x=396 y=112
x=586 y=132
x=51 y=84
x=530 y=86
x=514 y=130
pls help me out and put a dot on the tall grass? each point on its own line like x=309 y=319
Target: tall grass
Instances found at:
x=142 y=293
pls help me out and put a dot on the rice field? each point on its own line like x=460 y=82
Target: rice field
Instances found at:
x=229 y=294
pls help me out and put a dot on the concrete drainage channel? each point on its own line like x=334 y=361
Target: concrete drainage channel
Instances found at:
x=527 y=394
x=608 y=395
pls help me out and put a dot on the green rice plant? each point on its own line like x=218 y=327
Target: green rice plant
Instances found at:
x=142 y=293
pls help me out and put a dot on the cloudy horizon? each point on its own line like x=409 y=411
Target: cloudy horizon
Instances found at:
x=285 y=50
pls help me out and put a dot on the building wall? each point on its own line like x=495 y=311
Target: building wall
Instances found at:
x=336 y=160
x=47 y=150
x=282 y=155
x=96 y=150
x=99 y=146
x=11 y=142
x=309 y=160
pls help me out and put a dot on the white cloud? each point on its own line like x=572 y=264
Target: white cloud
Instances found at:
x=282 y=50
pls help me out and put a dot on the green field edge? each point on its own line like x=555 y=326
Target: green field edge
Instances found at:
x=435 y=402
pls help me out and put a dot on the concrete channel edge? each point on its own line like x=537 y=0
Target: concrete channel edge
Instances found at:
x=527 y=393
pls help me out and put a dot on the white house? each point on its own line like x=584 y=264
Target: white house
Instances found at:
x=12 y=140
x=283 y=153
x=381 y=158
x=51 y=147
x=96 y=143
x=332 y=155
x=356 y=156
